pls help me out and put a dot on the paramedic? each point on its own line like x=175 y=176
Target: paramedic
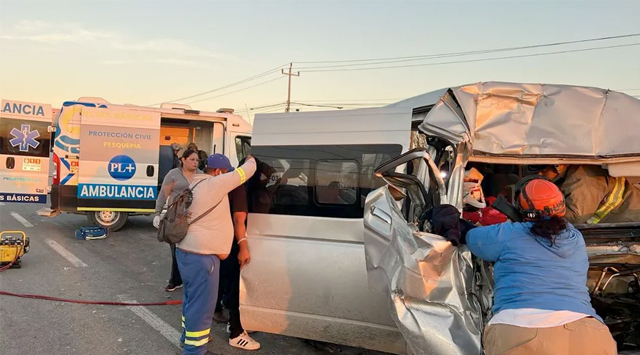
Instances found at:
x=541 y=303
x=595 y=197
x=208 y=241
x=176 y=181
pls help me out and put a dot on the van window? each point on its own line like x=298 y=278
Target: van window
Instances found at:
x=337 y=182
x=243 y=147
x=322 y=181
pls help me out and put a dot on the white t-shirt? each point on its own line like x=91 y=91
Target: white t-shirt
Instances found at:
x=535 y=318
x=213 y=234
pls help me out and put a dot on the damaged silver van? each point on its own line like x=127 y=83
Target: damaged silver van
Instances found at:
x=308 y=275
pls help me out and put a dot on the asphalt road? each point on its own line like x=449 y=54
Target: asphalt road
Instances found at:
x=130 y=265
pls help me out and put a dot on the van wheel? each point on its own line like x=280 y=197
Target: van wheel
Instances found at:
x=109 y=219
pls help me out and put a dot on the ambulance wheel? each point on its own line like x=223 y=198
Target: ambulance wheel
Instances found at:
x=109 y=219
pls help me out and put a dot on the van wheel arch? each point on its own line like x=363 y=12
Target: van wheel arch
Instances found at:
x=112 y=220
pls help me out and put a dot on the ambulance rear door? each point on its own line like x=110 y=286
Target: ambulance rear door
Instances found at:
x=118 y=168
x=24 y=151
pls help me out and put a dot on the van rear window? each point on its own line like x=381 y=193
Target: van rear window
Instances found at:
x=321 y=181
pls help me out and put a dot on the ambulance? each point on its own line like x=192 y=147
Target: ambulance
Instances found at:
x=24 y=151
x=109 y=160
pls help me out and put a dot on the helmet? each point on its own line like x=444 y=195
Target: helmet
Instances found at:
x=540 y=198
x=473 y=195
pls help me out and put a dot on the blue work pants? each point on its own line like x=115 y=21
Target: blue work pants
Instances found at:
x=200 y=276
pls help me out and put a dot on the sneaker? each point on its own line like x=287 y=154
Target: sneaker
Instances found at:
x=220 y=317
x=172 y=287
x=244 y=342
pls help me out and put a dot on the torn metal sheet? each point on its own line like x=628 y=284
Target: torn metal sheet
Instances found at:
x=430 y=282
x=514 y=119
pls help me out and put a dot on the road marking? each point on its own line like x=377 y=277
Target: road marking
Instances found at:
x=65 y=253
x=21 y=219
x=153 y=320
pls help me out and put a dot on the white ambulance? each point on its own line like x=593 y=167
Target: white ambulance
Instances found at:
x=109 y=160
x=24 y=151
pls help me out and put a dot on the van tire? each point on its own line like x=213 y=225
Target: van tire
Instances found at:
x=111 y=220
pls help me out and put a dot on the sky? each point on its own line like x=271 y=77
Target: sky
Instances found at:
x=148 y=52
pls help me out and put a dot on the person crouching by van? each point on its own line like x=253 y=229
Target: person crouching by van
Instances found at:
x=176 y=181
x=541 y=304
x=208 y=241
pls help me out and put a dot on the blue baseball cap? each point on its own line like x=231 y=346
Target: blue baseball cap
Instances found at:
x=219 y=161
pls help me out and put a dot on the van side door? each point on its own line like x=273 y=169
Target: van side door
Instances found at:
x=119 y=150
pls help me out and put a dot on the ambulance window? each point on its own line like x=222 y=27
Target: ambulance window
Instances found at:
x=243 y=147
x=24 y=137
x=337 y=182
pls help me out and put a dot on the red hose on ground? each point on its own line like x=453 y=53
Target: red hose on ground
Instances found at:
x=106 y=303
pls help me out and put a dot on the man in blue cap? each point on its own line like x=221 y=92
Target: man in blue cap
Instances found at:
x=208 y=241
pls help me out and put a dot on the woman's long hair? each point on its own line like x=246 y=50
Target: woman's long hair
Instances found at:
x=549 y=228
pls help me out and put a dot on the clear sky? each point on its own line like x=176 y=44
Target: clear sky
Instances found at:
x=145 y=52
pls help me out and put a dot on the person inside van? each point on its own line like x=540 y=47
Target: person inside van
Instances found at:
x=592 y=196
x=477 y=208
x=595 y=197
x=176 y=181
x=541 y=304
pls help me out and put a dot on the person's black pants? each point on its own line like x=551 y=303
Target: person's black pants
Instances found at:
x=229 y=290
x=175 y=279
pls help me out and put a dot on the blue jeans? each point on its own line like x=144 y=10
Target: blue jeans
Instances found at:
x=200 y=277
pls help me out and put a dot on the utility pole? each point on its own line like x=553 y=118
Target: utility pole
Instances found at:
x=289 y=91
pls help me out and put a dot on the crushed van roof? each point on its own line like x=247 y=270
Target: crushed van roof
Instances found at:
x=518 y=119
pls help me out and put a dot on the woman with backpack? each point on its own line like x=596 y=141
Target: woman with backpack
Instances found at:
x=176 y=181
x=541 y=303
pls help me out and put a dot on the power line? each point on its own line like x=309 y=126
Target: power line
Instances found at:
x=232 y=92
x=227 y=86
x=476 y=60
x=354 y=100
x=479 y=51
